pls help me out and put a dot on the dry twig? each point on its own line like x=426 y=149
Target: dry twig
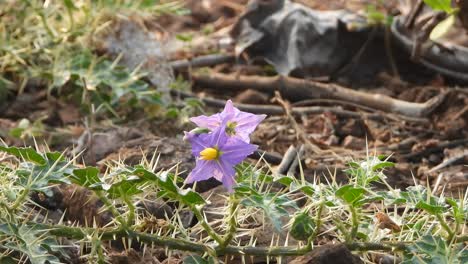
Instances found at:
x=298 y=89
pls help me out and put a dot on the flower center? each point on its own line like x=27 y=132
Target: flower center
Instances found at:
x=231 y=128
x=209 y=154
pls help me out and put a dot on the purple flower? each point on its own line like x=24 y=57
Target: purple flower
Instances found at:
x=217 y=154
x=239 y=124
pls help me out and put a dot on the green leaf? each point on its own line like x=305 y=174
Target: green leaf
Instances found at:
x=16 y=132
x=69 y=4
x=350 y=194
x=434 y=250
x=303 y=227
x=86 y=177
x=367 y=200
x=458 y=213
x=440 y=5
x=384 y=164
x=166 y=183
x=55 y=156
x=374 y=16
x=430 y=208
x=172 y=112
x=191 y=198
x=29 y=154
x=285 y=180
x=442 y=28
x=184 y=37
x=29 y=240
x=243 y=190
x=305 y=188
x=272 y=204
x=124 y=189
x=353 y=164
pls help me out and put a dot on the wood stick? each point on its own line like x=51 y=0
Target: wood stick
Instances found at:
x=295 y=89
x=297 y=111
x=202 y=61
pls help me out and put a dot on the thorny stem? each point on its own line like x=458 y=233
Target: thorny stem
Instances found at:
x=131 y=210
x=111 y=207
x=318 y=223
x=20 y=199
x=205 y=225
x=446 y=227
x=232 y=221
x=355 y=223
x=180 y=244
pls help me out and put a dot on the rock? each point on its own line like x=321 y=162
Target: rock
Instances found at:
x=328 y=254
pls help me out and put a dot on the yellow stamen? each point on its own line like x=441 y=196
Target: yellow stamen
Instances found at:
x=209 y=154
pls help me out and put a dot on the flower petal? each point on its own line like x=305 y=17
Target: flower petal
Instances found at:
x=229 y=111
x=211 y=122
x=227 y=173
x=199 y=142
x=204 y=169
x=236 y=150
x=246 y=124
x=218 y=137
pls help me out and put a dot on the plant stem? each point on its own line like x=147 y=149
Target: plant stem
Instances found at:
x=24 y=194
x=355 y=223
x=318 y=222
x=180 y=244
x=205 y=225
x=446 y=227
x=131 y=210
x=232 y=221
x=111 y=207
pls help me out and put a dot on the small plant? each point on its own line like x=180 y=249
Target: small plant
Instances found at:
x=52 y=44
x=413 y=224
x=27 y=130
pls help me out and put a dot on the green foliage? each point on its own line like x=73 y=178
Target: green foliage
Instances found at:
x=37 y=170
x=434 y=250
x=272 y=204
x=440 y=5
x=54 y=45
x=30 y=241
x=376 y=17
x=350 y=194
x=108 y=82
x=87 y=177
x=302 y=227
x=431 y=228
x=25 y=129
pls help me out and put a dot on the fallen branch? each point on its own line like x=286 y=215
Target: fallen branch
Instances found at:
x=295 y=89
x=202 y=61
x=434 y=149
x=450 y=161
x=297 y=111
x=287 y=160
